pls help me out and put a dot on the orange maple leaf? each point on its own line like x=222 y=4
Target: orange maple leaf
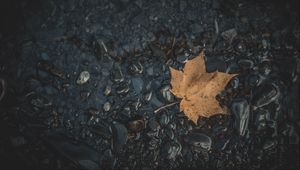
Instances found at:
x=198 y=89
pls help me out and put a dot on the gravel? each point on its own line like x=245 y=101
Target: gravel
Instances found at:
x=86 y=84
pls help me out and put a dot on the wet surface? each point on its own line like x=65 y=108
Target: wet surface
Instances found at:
x=86 y=85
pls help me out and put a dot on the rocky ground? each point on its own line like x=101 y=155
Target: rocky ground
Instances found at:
x=85 y=84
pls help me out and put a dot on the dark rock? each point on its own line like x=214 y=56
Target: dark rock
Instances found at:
x=229 y=34
x=154 y=101
x=164 y=119
x=44 y=65
x=198 y=140
x=245 y=63
x=148 y=96
x=169 y=132
x=45 y=56
x=40 y=102
x=166 y=93
x=265 y=94
x=118 y=75
x=196 y=28
x=102 y=129
x=74 y=152
x=157 y=51
x=136 y=68
x=234 y=83
x=253 y=80
x=150 y=71
x=153 y=124
x=84 y=95
x=119 y=136
x=123 y=88
x=88 y=164
x=241 y=111
x=171 y=150
x=136 y=125
x=269 y=144
x=137 y=84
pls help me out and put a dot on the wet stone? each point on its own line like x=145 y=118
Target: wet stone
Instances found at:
x=153 y=124
x=182 y=59
x=167 y=93
x=45 y=56
x=85 y=62
x=269 y=144
x=196 y=28
x=118 y=76
x=92 y=111
x=59 y=141
x=234 y=83
x=222 y=144
x=229 y=34
x=240 y=109
x=123 y=88
x=40 y=102
x=102 y=129
x=198 y=140
x=147 y=96
x=150 y=71
x=169 y=132
x=136 y=125
x=233 y=68
x=119 y=136
x=83 y=78
x=105 y=72
x=52 y=69
x=164 y=119
x=84 y=95
x=264 y=68
x=154 y=101
x=261 y=118
x=240 y=47
x=265 y=94
x=245 y=63
x=137 y=84
x=137 y=104
x=88 y=164
x=136 y=68
x=253 y=80
x=107 y=90
x=157 y=51
x=106 y=106
x=171 y=150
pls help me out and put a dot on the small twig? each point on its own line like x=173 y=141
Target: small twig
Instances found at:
x=215 y=37
x=216 y=26
x=165 y=106
x=2 y=88
x=104 y=46
x=173 y=43
x=172 y=47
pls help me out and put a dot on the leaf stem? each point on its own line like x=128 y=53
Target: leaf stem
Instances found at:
x=165 y=106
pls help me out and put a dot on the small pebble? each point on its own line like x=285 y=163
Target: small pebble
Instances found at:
x=83 y=77
x=106 y=106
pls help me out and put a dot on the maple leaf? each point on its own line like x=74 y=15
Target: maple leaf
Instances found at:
x=198 y=89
